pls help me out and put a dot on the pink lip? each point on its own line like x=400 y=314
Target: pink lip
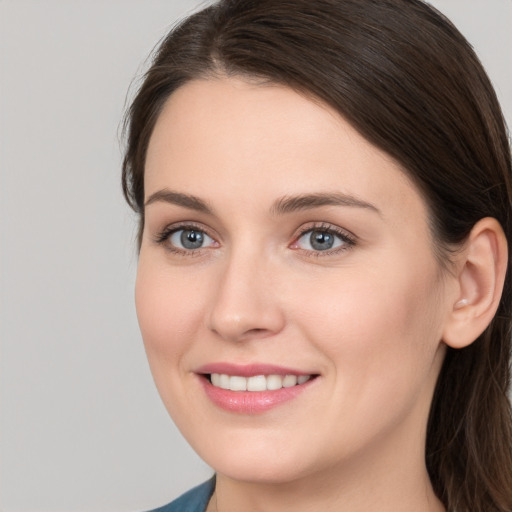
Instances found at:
x=249 y=402
x=248 y=370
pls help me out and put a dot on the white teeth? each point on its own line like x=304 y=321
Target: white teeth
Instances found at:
x=224 y=381
x=258 y=382
x=274 y=382
x=237 y=383
x=289 y=381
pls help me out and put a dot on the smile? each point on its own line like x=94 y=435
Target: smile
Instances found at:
x=254 y=388
x=257 y=382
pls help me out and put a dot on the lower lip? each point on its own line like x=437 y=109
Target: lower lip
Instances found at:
x=251 y=402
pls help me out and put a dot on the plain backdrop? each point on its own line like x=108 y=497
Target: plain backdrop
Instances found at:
x=82 y=427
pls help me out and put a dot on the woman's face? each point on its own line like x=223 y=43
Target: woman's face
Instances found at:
x=280 y=247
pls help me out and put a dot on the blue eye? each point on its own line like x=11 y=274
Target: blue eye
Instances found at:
x=321 y=240
x=190 y=239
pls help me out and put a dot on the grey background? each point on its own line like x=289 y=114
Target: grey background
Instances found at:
x=82 y=427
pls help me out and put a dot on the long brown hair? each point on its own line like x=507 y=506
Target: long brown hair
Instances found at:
x=410 y=83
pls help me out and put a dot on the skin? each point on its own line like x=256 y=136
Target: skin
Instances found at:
x=368 y=318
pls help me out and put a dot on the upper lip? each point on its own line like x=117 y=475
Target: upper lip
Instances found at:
x=249 y=370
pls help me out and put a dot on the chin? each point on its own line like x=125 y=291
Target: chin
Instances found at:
x=253 y=456
x=268 y=471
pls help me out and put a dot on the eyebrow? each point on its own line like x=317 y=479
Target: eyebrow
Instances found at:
x=282 y=206
x=291 y=204
x=179 y=199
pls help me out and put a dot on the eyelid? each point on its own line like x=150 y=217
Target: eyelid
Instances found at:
x=346 y=236
x=163 y=236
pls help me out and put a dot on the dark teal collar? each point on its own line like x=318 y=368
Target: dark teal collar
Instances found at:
x=195 y=500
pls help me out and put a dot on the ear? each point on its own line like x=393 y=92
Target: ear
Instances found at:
x=481 y=269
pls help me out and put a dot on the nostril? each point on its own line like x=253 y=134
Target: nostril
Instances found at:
x=240 y=318
x=256 y=333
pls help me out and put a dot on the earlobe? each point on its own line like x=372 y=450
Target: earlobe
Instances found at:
x=482 y=267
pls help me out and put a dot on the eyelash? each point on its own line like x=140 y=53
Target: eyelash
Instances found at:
x=163 y=238
x=348 y=239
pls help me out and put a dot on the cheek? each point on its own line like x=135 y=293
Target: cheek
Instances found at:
x=169 y=313
x=358 y=306
x=380 y=330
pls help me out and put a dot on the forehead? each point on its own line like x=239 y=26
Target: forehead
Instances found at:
x=241 y=139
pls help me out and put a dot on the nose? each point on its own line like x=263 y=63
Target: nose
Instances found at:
x=245 y=304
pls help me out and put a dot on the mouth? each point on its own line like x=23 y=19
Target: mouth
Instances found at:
x=253 y=389
x=256 y=383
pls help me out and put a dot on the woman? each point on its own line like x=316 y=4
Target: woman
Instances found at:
x=324 y=191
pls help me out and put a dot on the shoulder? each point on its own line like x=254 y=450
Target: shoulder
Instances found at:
x=194 y=500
